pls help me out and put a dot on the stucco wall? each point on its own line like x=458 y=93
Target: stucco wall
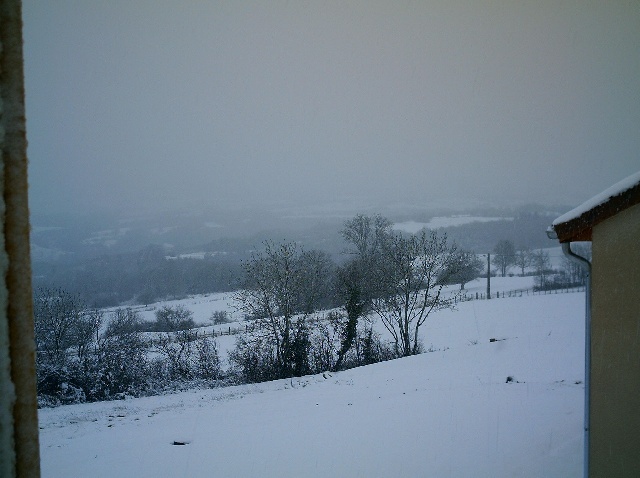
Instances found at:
x=615 y=347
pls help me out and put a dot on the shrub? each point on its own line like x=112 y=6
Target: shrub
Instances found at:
x=220 y=317
x=172 y=319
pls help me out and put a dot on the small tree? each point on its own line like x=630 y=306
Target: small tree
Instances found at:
x=325 y=335
x=413 y=272
x=368 y=236
x=220 y=317
x=316 y=276
x=573 y=271
x=207 y=360
x=504 y=256
x=523 y=259
x=541 y=264
x=61 y=322
x=276 y=288
x=172 y=319
x=352 y=290
x=178 y=352
x=357 y=284
x=122 y=365
x=466 y=266
x=372 y=350
x=253 y=358
x=64 y=333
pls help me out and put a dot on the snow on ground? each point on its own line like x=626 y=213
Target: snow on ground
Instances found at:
x=413 y=227
x=202 y=307
x=197 y=255
x=448 y=413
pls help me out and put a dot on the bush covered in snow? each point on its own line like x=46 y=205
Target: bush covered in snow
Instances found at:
x=85 y=356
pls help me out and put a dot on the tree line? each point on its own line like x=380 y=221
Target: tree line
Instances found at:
x=149 y=274
x=85 y=354
x=142 y=277
x=538 y=263
x=398 y=277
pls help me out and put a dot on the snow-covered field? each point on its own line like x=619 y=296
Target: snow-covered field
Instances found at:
x=451 y=412
x=413 y=227
x=202 y=307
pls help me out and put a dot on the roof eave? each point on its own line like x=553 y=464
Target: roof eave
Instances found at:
x=581 y=227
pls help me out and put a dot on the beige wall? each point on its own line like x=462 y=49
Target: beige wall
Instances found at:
x=615 y=347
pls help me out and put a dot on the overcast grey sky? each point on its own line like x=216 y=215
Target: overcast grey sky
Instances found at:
x=133 y=104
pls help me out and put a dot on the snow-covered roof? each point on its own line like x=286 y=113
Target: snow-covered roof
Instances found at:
x=577 y=223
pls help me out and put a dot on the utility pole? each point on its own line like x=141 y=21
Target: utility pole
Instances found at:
x=489 y=276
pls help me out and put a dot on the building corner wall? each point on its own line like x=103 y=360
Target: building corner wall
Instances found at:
x=615 y=347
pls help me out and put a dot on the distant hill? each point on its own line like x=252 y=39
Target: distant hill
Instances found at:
x=110 y=260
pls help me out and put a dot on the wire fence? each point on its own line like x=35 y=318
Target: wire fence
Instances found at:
x=464 y=297
x=195 y=334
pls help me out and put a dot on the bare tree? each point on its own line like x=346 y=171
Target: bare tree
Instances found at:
x=523 y=259
x=207 y=361
x=465 y=267
x=172 y=319
x=542 y=265
x=274 y=290
x=504 y=256
x=575 y=273
x=61 y=322
x=357 y=283
x=366 y=234
x=122 y=355
x=412 y=273
x=316 y=275
x=88 y=333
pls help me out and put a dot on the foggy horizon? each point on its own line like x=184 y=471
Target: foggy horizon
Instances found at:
x=146 y=107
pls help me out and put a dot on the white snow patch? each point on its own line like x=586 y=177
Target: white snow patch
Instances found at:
x=198 y=255
x=413 y=227
x=202 y=307
x=449 y=413
x=162 y=230
x=212 y=225
x=108 y=237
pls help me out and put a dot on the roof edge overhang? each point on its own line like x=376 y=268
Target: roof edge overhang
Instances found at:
x=580 y=227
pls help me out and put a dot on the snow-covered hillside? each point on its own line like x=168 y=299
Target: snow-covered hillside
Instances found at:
x=413 y=227
x=499 y=395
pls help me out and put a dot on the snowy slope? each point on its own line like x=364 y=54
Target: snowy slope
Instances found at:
x=448 y=413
